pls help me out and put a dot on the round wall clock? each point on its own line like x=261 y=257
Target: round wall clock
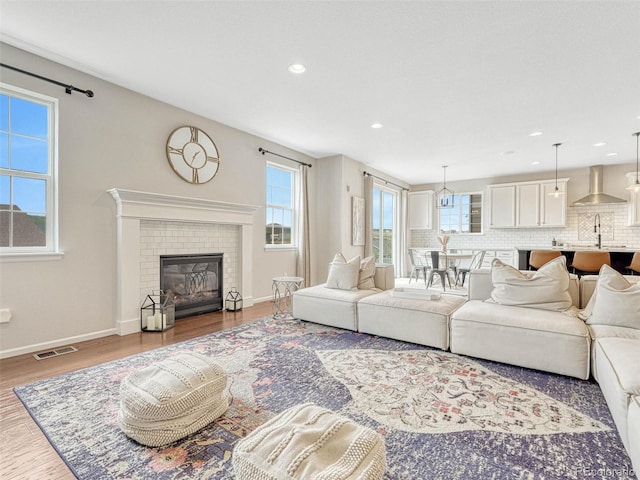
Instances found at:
x=192 y=154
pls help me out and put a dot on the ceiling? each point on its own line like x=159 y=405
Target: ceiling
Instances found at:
x=455 y=83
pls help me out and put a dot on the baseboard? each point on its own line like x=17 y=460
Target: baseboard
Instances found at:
x=127 y=327
x=36 y=347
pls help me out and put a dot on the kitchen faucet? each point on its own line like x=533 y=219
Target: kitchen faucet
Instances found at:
x=596 y=229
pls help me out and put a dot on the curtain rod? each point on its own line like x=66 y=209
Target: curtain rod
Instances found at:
x=67 y=88
x=263 y=151
x=367 y=174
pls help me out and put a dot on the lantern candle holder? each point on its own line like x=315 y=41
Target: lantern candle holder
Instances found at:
x=233 y=302
x=157 y=312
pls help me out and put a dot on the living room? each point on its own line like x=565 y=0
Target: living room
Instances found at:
x=117 y=139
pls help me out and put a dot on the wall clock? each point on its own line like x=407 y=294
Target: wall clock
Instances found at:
x=192 y=154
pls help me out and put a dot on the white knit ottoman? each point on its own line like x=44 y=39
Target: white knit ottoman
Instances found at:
x=307 y=442
x=171 y=399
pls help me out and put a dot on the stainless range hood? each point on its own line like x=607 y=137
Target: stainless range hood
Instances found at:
x=596 y=195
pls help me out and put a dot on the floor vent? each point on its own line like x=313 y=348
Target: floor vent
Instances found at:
x=54 y=353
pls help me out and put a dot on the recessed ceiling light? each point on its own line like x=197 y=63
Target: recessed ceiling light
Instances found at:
x=535 y=163
x=376 y=125
x=297 y=68
x=535 y=134
x=612 y=154
x=599 y=144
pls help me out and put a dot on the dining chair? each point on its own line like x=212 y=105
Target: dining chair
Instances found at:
x=418 y=265
x=465 y=266
x=439 y=267
x=635 y=264
x=589 y=262
x=538 y=258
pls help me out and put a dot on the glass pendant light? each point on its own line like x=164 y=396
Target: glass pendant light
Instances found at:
x=556 y=191
x=636 y=185
x=444 y=196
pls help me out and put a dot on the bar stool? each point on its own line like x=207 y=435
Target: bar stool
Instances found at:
x=589 y=262
x=635 y=264
x=538 y=258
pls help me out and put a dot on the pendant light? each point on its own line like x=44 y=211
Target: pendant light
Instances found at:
x=444 y=196
x=556 y=191
x=636 y=185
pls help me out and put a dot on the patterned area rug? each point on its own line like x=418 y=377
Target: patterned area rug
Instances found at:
x=441 y=415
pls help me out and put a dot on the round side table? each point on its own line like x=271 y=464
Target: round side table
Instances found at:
x=283 y=288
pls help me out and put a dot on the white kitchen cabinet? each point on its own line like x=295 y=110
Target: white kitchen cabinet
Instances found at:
x=420 y=210
x=502 y=204
x=528 y=204
x=634 y=202
x=508 y=257
x=553 y=210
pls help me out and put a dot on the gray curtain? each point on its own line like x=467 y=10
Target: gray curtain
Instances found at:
x=368 y=216
x=303 y=261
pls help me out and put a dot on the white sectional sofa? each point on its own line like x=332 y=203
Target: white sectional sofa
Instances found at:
x=336 y=307
x=552 y=341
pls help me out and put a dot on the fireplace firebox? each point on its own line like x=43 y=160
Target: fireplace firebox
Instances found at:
x=193 y=281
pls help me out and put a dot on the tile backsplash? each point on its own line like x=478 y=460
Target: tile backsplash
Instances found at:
x=579 y=230
x=160 y=237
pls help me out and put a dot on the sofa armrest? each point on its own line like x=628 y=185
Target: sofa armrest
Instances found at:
x=480 y=284
x=384 y=277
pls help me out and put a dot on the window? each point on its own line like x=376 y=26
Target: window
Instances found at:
x=384 y=221
x=464 y=217
x=280 y=220
x=28 y=220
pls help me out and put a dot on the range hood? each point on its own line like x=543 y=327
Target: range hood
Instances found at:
x=596 y=195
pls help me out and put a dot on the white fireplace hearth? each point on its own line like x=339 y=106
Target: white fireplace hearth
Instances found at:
x=136 y=211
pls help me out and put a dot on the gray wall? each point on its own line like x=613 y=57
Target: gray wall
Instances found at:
x=117 y=139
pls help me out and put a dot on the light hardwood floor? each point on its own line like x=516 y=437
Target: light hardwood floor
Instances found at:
x=25 y=453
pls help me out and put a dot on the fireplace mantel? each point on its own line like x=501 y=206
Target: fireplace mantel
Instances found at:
x=133 y=206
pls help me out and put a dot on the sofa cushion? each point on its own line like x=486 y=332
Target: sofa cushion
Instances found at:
x=343 y=275
x=367 y=273
x=546 y=289
x=623 y=354
x=540 y=339
x=633 y=425
x=615 y=301
x=617 y=361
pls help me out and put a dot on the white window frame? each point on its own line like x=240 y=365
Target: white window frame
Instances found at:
x=395 y=254
x=51 y=250
x=295 y=189
x=457 y=206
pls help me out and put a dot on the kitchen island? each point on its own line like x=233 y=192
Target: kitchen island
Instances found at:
x=620 y=256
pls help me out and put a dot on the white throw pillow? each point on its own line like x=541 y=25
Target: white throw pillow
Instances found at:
x=344 y=275
x=367 y=274
x=546 y=288
x=615 y=301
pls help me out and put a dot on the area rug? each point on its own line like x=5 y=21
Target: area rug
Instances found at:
x=442 y=416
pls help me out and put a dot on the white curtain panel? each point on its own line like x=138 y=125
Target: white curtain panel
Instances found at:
x=368 y=216
x=303 y=261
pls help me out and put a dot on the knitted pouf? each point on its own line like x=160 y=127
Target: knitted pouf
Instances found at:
x=308 y=442
x=171 y=399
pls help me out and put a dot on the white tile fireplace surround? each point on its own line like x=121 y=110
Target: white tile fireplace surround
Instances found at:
x=137 y=211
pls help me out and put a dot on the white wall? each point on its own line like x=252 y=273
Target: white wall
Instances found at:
x=339 y=179
x=117 y=139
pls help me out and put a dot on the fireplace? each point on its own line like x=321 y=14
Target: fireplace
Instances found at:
x=194 y=281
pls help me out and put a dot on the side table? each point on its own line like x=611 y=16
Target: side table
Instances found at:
x=283 y=288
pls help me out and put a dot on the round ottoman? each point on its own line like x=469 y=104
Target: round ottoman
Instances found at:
x=307 y=442
x=171 y=399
